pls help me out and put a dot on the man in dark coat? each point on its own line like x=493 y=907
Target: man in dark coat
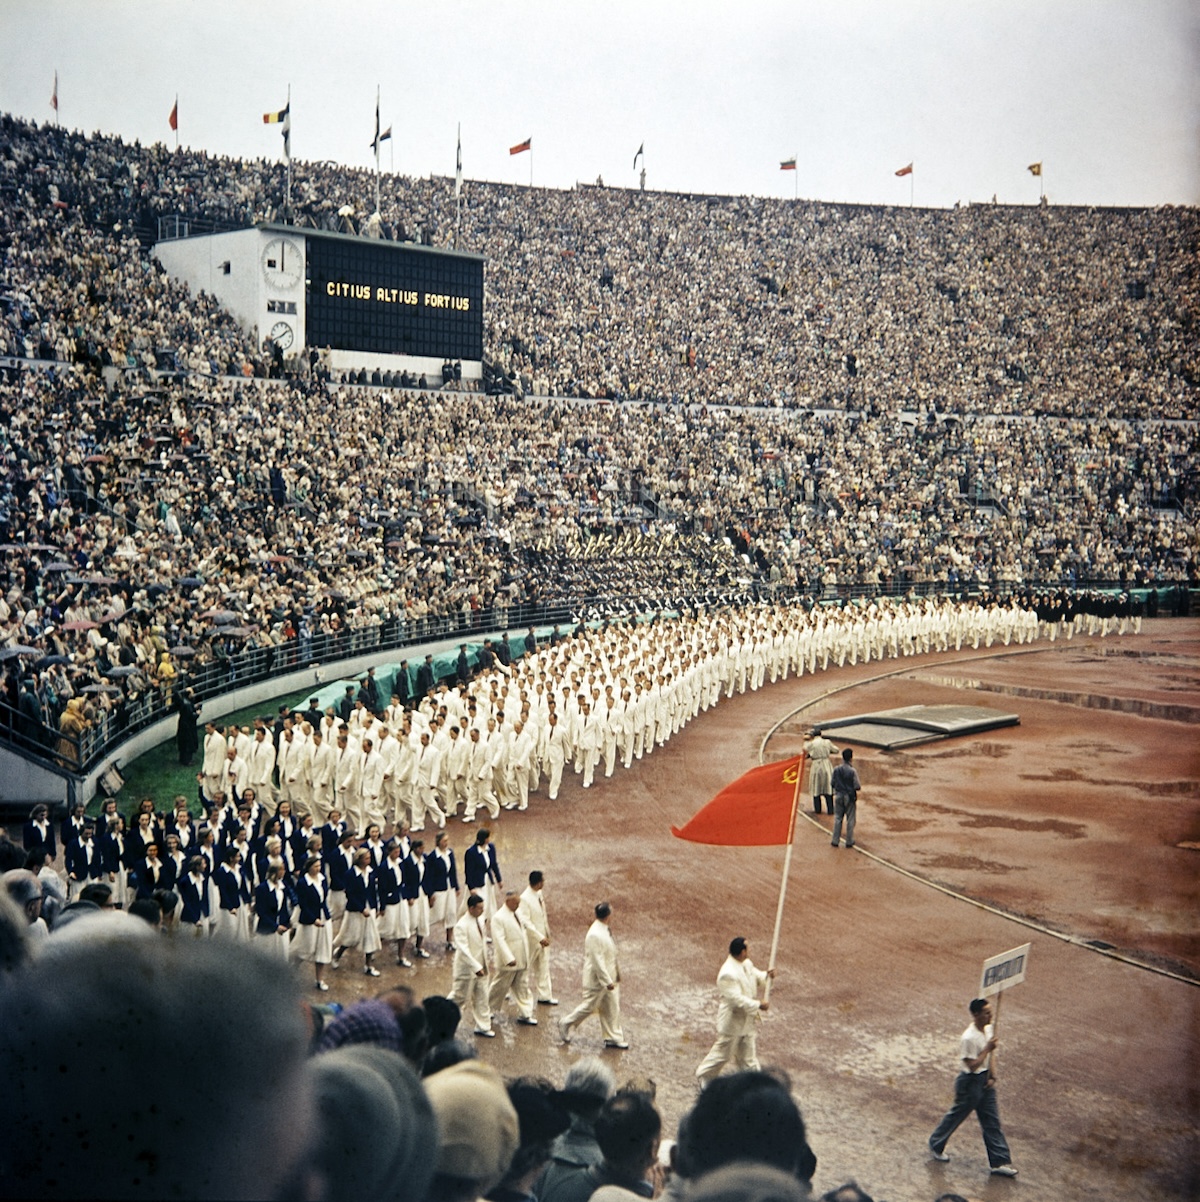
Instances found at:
x=187 y=739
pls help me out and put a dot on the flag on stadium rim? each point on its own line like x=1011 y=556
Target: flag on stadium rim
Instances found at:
x=284 y=117
x=905 y=170
x=788 y=164
x=458 y=165
x=379 y=138
x=757 y=810
x=641 y=154
x=520 y=147
x=173 y=119
x=1035 y=169
x=54 y=94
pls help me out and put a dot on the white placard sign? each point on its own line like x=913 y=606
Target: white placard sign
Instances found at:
x=1004 y=971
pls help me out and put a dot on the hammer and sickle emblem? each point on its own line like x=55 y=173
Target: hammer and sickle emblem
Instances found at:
x=791 y=775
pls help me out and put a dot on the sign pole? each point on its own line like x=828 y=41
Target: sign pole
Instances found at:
x=787 y=866
x=995 y=1032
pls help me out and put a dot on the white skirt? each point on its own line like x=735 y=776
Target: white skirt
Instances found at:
x=313 y=944
x=418 y=916
x=357 y=930
x=274 y=945
x=394 y=924
x=441 y=910
x=232 y=927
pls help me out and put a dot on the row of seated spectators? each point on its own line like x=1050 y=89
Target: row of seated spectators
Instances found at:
x=232 y=518
x=592 y=292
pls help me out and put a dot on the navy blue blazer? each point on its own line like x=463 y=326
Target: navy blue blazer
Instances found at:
x=31 y=837
x=272 y=912
x=232 y=894
x=410 y=885
x=172 y=872
x=480 y=867
x=339 y=870
x=110 y=853
x=390 y=888
x=147 y=879
x=193 y=902
x=331 y=836
x=439 y=875
x=77 y=861
x=71 y=829
x=310 y=902
x=362 y=895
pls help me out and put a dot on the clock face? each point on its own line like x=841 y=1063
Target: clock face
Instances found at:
x=282 y=263
x=281 y=335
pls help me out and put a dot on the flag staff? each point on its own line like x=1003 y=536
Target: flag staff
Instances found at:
x=287 y=153
x=175 y=121
x=458 y=186
x=912 y=185
x=54 y=99
x=787 y=868
x=796 y=194
x=376 y=148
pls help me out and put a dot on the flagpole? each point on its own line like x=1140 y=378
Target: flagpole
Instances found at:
x=531 y=163
x=458 y=186
x=287 y=203
x=787 y=866
x=176 y=122
x=376 y=148
x=912 y=184
x=796 y=181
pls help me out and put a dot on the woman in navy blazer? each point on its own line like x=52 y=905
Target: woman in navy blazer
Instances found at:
x=39 y=831
x=314 y=934
x=273 y=911
x=359 y=926
x=192 y=888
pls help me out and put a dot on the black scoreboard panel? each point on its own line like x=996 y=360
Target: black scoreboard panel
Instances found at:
x=389 y=299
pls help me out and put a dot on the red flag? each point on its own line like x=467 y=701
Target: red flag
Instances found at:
x=757 y=810
x=905 y=170
x=54 y=94
x=788 y=165
x=173 y=119
x=521 y=146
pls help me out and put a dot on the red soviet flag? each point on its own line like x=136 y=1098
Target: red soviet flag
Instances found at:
x=173 y=119
x=757 y=810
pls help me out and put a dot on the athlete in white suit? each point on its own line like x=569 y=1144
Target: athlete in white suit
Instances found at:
x=737 y=1015
x=601 y=983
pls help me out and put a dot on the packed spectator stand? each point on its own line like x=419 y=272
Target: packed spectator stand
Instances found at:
x=714 y=400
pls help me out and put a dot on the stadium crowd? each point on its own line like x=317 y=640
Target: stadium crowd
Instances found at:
x=727 y=300
x=153 y=478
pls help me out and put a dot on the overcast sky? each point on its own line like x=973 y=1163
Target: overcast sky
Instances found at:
x=1105 y=93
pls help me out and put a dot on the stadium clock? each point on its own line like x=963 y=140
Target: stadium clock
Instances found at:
x=281 y=335
x=282 y=263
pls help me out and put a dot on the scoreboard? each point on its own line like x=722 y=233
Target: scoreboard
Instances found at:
x=389 y=298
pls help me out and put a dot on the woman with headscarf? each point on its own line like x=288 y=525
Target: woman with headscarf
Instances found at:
x=71 y=728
